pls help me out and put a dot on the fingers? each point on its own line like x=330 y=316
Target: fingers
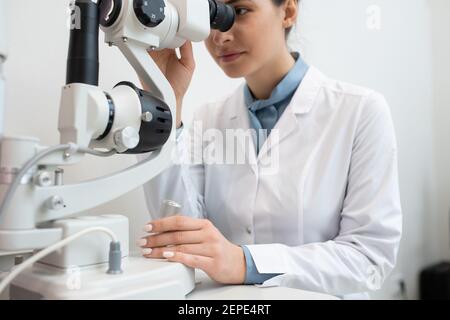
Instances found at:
x=172 y=238
x=193 y=249
x=187 y=55
x=175 y=223
x=193 y=261
x=159 y=54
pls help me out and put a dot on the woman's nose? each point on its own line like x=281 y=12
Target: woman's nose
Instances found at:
x=219 y=38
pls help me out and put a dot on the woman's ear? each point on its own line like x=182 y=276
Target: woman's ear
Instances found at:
x=290 y=8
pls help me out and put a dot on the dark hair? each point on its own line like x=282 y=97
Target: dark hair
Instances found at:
x=278 y=3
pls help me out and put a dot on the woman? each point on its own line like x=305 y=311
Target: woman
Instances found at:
x=315 y=203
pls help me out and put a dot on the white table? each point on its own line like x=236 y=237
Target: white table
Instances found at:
x=207 y=289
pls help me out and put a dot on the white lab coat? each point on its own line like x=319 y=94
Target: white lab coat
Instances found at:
x=328 y=217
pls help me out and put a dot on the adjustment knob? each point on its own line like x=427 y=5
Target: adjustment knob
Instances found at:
x=55 y=203
x=126 y=139
x=149 y=12
x=43 y=179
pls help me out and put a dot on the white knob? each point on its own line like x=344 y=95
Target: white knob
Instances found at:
x=147 y=117
x=125 y=139
x=55 y=203
x=43 y=179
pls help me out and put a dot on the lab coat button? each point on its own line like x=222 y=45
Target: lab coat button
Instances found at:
x=249 y=230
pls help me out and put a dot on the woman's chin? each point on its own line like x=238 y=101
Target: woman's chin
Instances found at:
x=235 y=71
x=234 y=75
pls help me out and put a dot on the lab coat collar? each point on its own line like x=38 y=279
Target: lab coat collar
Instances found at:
x=303 y=100
x=301 y=104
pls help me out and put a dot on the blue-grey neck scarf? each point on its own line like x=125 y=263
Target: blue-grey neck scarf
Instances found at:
x=264 y=114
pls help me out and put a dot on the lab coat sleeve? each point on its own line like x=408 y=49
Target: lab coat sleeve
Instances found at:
x=183 y=181
x=364 y=252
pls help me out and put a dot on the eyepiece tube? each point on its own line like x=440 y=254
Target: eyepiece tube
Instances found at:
x=222 y=15
x=82 y=59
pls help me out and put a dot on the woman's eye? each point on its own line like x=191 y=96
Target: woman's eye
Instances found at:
x=241 y=11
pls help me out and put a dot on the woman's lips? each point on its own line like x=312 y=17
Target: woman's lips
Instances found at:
x=230 y=57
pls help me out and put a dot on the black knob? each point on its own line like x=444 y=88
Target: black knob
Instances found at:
x=149 y=12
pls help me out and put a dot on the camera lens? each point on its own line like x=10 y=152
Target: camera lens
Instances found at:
x=222 y=15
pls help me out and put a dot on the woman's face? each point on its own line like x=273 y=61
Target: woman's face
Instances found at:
x=256 y=38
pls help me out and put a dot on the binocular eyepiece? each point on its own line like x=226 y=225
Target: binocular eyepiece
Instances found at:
x=222 y=15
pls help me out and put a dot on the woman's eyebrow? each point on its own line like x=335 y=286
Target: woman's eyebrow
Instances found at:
x=234 y=1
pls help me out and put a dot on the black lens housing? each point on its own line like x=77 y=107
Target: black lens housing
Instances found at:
x=222 y=15
x=155 y=133
x=82 y=59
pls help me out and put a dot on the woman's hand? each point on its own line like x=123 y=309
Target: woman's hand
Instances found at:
x=195 y=243
x=177 y=71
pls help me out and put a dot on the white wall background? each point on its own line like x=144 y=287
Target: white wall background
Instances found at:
x=406 y=59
